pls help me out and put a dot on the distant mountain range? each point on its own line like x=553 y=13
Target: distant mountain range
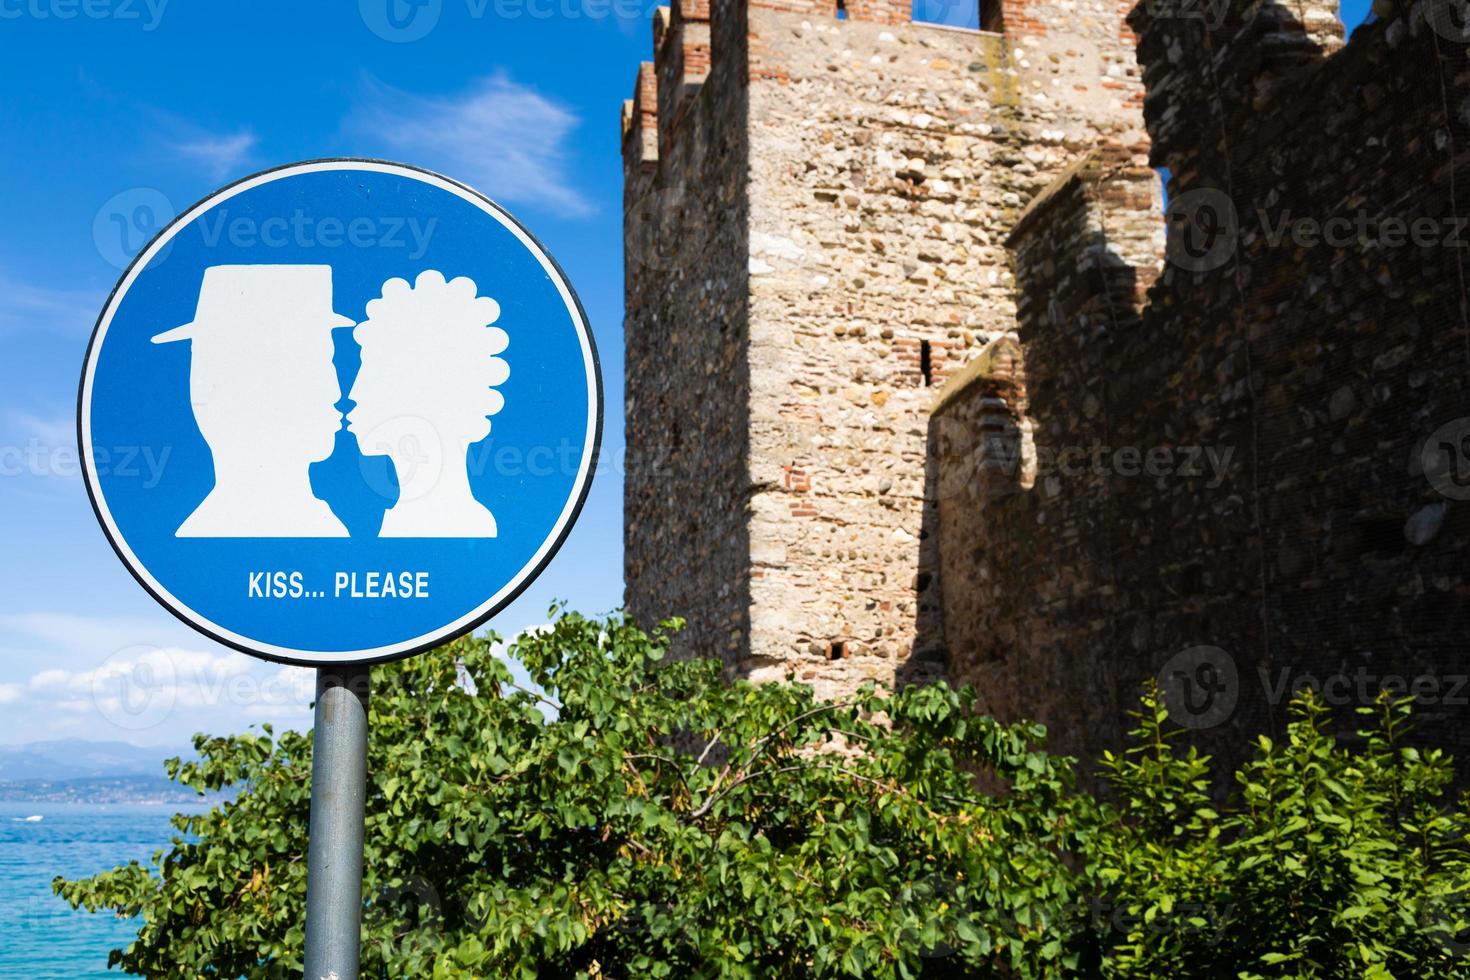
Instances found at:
x=78 y=771
x=75 y=758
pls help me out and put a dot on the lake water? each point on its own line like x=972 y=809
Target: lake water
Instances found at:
x=40 y=936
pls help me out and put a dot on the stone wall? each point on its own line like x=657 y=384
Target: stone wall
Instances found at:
x=887 y=166
x=1298 y=376
x=880 y=166
x=1026 y=536
x=685 y=147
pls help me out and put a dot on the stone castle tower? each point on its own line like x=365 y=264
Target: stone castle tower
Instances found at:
x=911 y=389
x=816 y=212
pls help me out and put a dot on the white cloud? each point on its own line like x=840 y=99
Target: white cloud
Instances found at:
x=222 y=155
x=141 y=680
x=140 y=687
x=27 y=306
x=502 y=138
x=53 y=430
x=146 y=679
x=38 y=455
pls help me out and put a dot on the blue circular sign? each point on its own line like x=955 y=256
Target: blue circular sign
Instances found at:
x=340 y=412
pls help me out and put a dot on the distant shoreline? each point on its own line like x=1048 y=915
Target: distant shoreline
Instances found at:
x=156 y=790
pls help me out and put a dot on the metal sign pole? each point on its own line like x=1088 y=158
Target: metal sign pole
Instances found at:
x=252 y=313
x=334 y=850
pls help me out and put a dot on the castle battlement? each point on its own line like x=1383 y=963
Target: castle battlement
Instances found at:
x=1086 y=48
x=912 y=392
x=816 y=216
x=1204 y=81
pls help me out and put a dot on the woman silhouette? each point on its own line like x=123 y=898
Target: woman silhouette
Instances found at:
x=424 y=395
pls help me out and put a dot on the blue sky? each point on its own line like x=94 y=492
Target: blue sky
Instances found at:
x=115 y=110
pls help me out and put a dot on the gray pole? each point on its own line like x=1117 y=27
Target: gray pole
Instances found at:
x=334 y=850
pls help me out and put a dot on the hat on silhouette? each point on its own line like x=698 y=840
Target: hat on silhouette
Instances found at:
x=282 y=296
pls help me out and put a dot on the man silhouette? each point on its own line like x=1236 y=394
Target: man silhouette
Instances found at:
x=263 y=388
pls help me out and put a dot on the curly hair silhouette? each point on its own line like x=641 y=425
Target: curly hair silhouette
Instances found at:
x=425 y=394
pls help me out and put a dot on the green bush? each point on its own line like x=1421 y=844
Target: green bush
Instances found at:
x=639 y=817
x=1327 y=862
